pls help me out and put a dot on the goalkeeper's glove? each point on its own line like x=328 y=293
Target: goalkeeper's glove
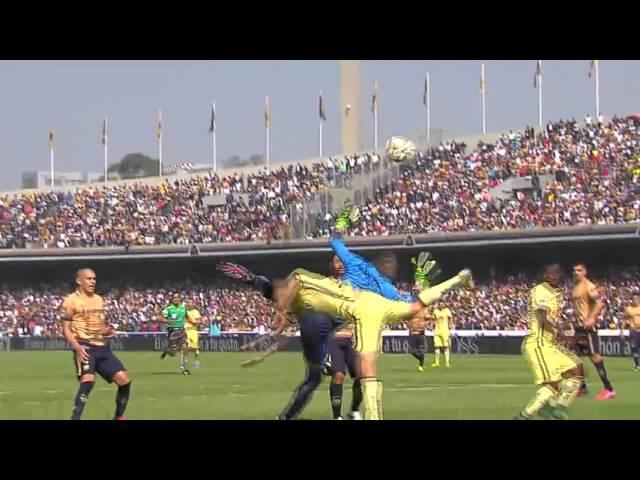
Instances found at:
x=426 y=270
x=349 y=214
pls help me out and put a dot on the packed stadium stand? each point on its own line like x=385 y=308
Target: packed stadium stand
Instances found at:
x=576 y=174
x=566 y=175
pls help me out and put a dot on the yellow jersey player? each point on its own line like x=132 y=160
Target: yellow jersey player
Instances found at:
x=191 y=327
x=417 y=340
x=303 y=290
x=84 y=328
x=588 y=306
x=557 y=371
x=443 y=321
x=632 y=321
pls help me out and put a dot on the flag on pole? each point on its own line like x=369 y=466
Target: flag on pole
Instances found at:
x=159 y=125
x=321 y=111
x=592 y=67
x=267 y=112
x=374 y=98
x=537 y=74
x=50 y=139
x=482 y=81
x=104 y=131
x=212 y=125
x=426 y=91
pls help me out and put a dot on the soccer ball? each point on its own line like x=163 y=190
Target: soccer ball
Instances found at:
x=400 y=149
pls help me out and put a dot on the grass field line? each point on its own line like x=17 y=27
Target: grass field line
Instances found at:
x=453 y=386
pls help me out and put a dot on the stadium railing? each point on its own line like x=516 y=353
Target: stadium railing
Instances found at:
x=626 y=231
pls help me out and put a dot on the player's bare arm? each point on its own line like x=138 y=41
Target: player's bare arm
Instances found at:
x=596 y=308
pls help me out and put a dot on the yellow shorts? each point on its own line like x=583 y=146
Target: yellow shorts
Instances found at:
x=441 y=340
x=371 y=312
x=547 y=360
x=193 y=340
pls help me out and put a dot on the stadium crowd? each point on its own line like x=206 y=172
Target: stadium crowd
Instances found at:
x=596 y=167
x=500 y=304
x=596 y=180
x=257 y=206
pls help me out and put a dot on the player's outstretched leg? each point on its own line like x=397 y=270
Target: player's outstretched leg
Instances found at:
x=433 y=294
x=608 y=392
x=122 y=396
x=81 y=397
x=303 y=393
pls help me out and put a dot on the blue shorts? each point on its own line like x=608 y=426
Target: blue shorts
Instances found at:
x=316 y=329
x=101 y=361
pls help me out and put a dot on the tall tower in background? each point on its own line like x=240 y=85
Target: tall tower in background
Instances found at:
x=350 y=103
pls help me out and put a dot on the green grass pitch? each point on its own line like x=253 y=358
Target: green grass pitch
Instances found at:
x=41 y=385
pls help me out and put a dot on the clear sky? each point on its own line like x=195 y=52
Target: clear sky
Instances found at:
x=72 y=97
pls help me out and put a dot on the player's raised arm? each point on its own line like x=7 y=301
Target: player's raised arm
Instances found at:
x=163 y=315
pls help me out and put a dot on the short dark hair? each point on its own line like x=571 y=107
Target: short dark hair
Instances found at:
x=384 y=257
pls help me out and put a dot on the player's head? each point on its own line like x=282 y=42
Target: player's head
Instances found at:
x=387 y=264
x=191 y=304
x=636 y=299
x=580 y=271
x=86 y=280
x=553 y=274
x=175 y=298
x=278 y=288
x=336 y=267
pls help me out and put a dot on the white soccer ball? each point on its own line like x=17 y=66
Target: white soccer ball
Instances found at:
x=400 y=149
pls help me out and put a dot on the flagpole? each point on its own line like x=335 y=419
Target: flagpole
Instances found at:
x=597 y=72
x=540 y=93
x=213 y=140
x=106 y=150
x=484 y=117
x=52 y=167
x=160 y=142
x=375 y=119
x=320 y=115
x=268 y=121
x=320 y=155
x=428 y=111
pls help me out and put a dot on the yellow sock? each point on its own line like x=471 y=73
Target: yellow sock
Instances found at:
x=568 y=391
x=370 y=387
x=446 y=356
x=433 y=294
x=542 y=396
x=437 y=355
x=379 y=399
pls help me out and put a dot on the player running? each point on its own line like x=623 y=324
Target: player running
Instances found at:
x=174 y=316
x=632 y=321
x=191 y=327
x=443 y=325
x=557 y=371
x=588 y=306
x=85 y=329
